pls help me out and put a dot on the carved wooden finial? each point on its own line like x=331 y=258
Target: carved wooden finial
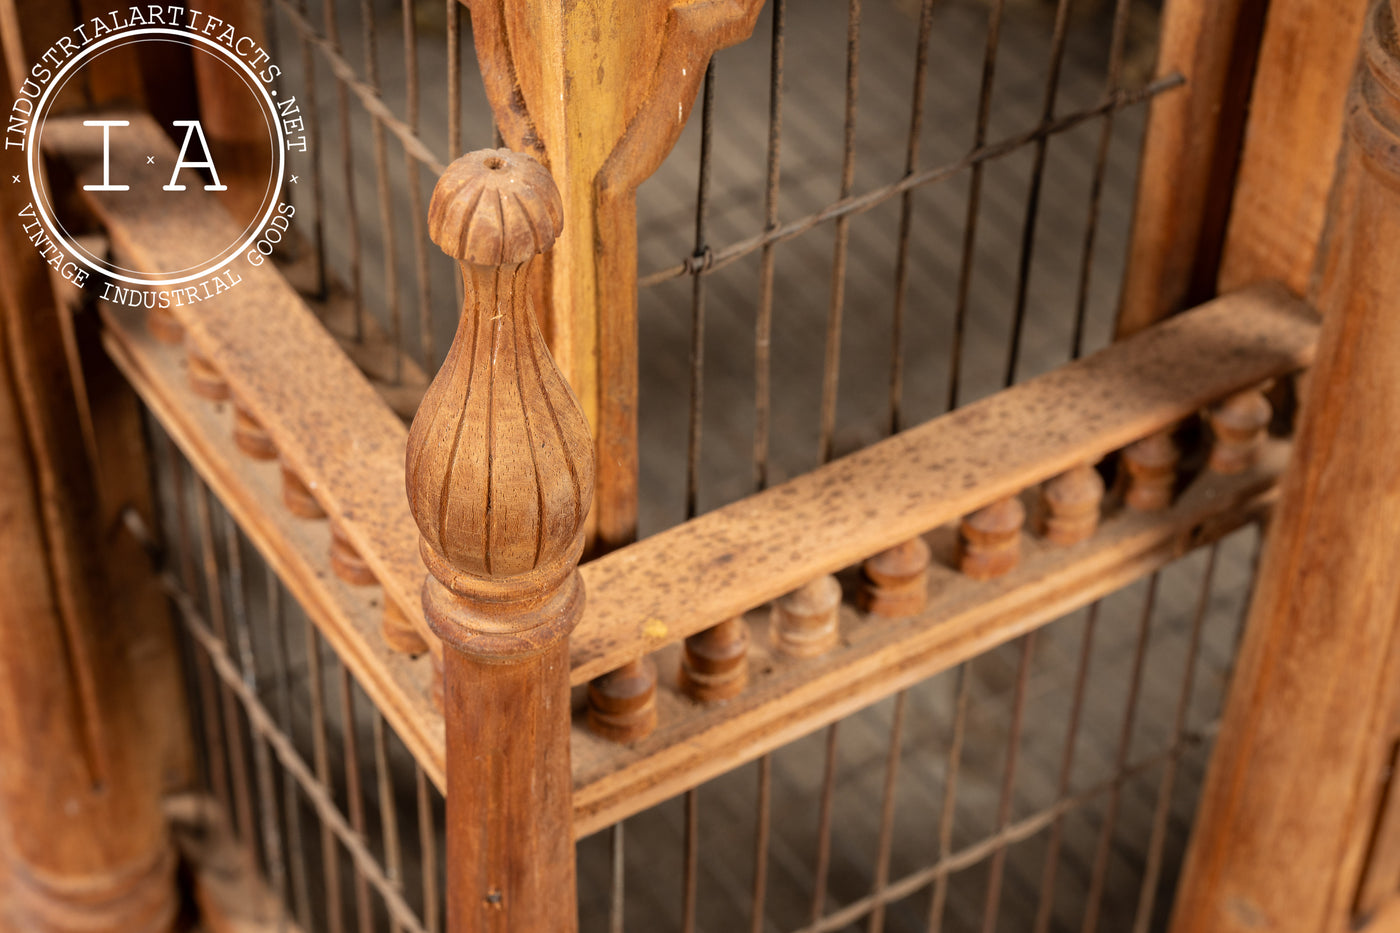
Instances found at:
x=989 y=540
x=204 y=378
x=1239 y=424
x=1071 y=503
x=805 y=622
x=249 y=435
x=896 y=580
x=1151 y=467
x=495 y=207
x=715 y=662
x=499 y=479
x=500 y=464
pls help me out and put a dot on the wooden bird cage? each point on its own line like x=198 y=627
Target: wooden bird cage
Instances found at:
x=885 y=465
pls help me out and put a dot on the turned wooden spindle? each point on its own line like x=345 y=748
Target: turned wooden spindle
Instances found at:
x=1070 y=505
x=204 y=379
x=1151 y=472
x=805 y=622
x=622 y=703
x=399 y=633
x=989 y=540
x=1239 y=424
x=164 y=327
x=715 y=662
x=500 y=478
x=346 y=562
x=896 y=580
x=249 y=436
x=297 y=496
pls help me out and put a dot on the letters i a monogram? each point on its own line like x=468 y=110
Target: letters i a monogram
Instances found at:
x=192 y=129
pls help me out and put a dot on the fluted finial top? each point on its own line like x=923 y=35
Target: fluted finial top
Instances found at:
x=494 y=207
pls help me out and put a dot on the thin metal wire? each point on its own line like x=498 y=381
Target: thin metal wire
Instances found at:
x=1157 y=841
x=301 y=887
x=386 y=203
x=317 y=791
x=1099 y=872
x=763 y=323
x=939 y=900
x=906 y=217
x=617 y=902
x=366 y=95
x=313 y=135
x=831 y=364
x=1014 y=833
x=697 y=303
x=454 y=80
x=262 y=760
x=208 y=690
x=1008 y=780
x=352 y=217
x=887 y=801
x=415 y=194
x=860 y=203
x=762 y=836
x=242 y=797
x=330 y=857
x=823 y=867
x=974 y=202
x=388 y=809
x=427 y=855
x=350 y=744
x=1046 y=908
x=691 y=862
x=1028 y=228
x=1091 y=226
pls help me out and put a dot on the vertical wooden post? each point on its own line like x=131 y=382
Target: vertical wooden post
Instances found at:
x=1188 y=161
x=500 y=477
x=82 y=838
x=1283 y=823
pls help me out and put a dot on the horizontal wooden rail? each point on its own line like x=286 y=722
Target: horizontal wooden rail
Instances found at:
x=787 y=699
x=724 y=563
x=326 y=420
x=333 y=430
x=298 y=550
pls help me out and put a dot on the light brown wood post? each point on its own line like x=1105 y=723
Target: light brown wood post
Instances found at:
x=1285 y=816
x=500 y=476
x=83 y=843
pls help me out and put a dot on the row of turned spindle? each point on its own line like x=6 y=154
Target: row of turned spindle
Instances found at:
x=804 y=623
x=253 y=441
x=894 y=583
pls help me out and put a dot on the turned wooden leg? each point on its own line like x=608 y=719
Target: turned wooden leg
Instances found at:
x=82 y=836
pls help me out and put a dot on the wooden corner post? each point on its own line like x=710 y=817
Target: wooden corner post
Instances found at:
x=500 y=478
x=1285 y=826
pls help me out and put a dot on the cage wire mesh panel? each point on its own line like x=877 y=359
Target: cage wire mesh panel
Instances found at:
x=881 y=210
x=324 y=798
x=1046 y=785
